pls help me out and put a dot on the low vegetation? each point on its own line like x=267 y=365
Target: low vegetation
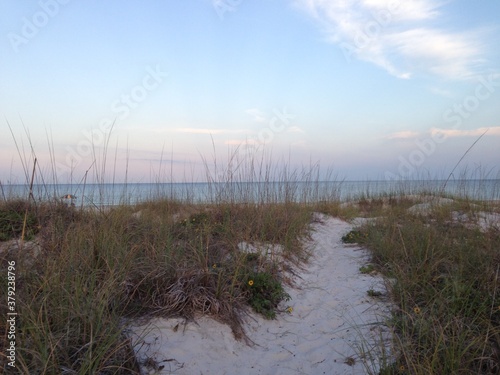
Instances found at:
x=444 y=271
x=97 y=269
x=82 y=274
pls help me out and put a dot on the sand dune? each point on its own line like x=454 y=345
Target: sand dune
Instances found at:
x=334 y=328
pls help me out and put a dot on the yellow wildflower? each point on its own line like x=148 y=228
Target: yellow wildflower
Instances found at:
x=250 y=282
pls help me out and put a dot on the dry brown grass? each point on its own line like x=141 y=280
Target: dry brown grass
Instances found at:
x=97 y=267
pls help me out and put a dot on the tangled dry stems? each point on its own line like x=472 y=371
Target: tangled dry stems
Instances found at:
x=98 y=267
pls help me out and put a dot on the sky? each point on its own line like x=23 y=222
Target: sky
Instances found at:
x=156 y=90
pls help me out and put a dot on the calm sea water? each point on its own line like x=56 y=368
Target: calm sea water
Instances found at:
x=114 y=194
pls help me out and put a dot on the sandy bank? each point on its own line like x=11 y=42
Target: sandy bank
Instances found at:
x=334 y=326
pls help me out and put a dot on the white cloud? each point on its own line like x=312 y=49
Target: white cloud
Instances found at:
x=398 y=36
x=411 y=135
x=404 y=10
x=208 y=131
x=294 y=129
x=406 y=134
x=257 y=114
x=466 y=133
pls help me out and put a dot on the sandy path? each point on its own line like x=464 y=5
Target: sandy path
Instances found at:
x=332 y=319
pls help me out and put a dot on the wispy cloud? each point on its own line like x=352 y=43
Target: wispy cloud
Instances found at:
x=294 y=129
x=407 y=134
x=466 y=133
x=412 y=135
x=257 y=115
x=209 y=131
x=399 y=36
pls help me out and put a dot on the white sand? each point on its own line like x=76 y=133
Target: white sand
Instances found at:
x=333 y=322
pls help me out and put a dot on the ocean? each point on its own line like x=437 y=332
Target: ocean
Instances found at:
x=280 y=191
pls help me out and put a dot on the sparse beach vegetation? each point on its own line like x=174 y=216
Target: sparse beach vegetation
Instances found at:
x=84 y=273
x=444 y=267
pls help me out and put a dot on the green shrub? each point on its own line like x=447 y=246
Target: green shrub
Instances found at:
x=354 y=236
x=266 y=292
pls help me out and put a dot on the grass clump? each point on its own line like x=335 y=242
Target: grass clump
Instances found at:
x=12 y=216
x=98 y=269
x=354 y=236
x=374 y=293
x=447 y=316
x=368 y=269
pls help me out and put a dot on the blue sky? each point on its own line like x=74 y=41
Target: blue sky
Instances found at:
x=375 y=89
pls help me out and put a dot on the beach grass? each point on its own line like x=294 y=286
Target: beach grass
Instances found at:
x=84 y=273
x=443 y=280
